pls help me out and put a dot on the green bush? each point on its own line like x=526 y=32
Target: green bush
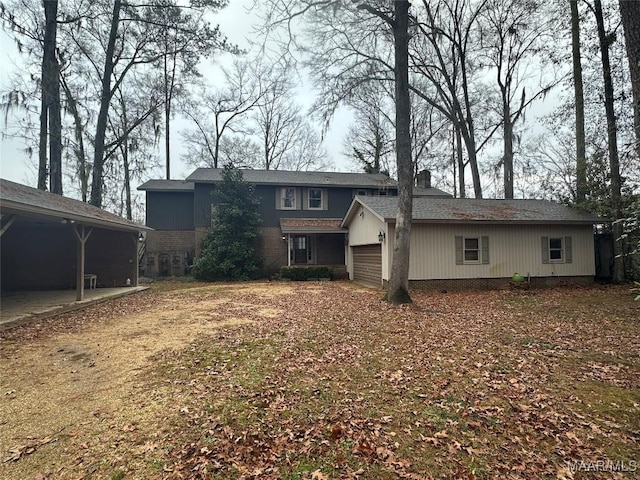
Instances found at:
x=305 y=273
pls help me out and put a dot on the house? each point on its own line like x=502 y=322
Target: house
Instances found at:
x=468 y=243
x=301 y=215
x=50 y=242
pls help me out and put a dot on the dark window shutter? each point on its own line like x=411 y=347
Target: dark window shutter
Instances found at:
x=545 y=249
x=485 y=250
x=459 y=251
x=568 y=252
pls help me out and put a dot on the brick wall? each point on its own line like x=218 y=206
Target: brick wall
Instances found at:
x=494 y=283
x=168 y=252
x=170 y=240
x=273 y=250
x=200 y=233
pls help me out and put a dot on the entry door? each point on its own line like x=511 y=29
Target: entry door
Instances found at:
x=300 y=249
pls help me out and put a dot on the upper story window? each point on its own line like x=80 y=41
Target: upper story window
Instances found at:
x=288 y=198
x=315 y=199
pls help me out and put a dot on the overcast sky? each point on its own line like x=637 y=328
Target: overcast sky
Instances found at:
x=237 y=24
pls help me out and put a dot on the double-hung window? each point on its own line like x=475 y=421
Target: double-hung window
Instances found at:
x=472 y=250
x=315 y=199
x=288 y=198
x=557 y=250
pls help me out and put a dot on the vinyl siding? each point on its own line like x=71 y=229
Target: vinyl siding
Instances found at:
x=512 y=248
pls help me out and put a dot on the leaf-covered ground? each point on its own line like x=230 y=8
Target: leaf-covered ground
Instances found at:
x=324 y=380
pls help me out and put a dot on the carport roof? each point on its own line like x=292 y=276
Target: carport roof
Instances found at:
x=19 y=199
x=462 y=210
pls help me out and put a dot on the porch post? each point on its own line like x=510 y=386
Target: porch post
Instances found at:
x=136 y=260
x=288 y=249
x=82 y=237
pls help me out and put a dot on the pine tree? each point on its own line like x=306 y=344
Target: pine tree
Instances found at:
x=229 y=252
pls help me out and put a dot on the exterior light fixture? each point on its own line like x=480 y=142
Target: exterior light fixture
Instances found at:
x=381 y=236
x=284 y=238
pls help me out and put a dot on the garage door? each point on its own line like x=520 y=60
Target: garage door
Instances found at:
x=367 y=264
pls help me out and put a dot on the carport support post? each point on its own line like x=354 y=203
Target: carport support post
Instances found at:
x=136 y=260
x=82 y=237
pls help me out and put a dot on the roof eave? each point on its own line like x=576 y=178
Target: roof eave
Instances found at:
x=81 y=219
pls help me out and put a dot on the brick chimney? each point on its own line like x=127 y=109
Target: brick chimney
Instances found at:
x=423 y=179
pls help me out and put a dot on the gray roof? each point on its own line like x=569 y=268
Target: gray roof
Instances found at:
x=429 y=192
x=19 y=199
x=167 y=186
x=283 y=177
x=460 y=210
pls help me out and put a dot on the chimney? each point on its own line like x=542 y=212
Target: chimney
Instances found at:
x=423 y=179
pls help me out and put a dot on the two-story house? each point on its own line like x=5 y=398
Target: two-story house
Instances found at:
x=301 y=215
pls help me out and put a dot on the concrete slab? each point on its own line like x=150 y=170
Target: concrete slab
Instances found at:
x=21 y=307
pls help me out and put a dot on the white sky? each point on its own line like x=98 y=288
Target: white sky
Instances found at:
x=236 y=24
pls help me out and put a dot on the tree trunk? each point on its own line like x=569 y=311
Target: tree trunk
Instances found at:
x=581 y=155
x=50 y=128
x=44 y=135
x=398 y=290
x=55 y=132
x=167 y=114
x=507 y=158
x=604 y=40
x=462 y=184
x=79 y=152
x=105 y=100
x=630 y=13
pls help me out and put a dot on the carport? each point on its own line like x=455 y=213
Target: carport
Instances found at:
x=50 y=242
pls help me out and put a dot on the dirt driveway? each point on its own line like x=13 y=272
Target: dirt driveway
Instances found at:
x=71 y=384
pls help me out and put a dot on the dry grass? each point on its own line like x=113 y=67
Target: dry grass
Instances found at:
x=324 y=380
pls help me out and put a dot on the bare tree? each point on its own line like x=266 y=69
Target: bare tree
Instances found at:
x=219 y=113
x=605 y=40
x=581 y=153
x=513 y=33
x=443 y=57
x=630 y=15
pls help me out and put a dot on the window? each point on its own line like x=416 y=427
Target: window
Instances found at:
x=557 y=250
x=315 y=199
x=288 y=198
x=362 y=193
x=472 y=250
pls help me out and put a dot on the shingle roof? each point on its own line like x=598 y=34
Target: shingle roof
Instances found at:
x=167 y=186
x=459 y=210
x=430 y=192
x=311 y=225
x=282 y=177
x=20 y=199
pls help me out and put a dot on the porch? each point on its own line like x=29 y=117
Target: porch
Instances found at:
x=314 y=242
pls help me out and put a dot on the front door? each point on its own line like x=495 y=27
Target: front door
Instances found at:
x=302 y=249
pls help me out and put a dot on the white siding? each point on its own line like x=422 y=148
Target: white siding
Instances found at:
x=512 y=248
x=363 y=230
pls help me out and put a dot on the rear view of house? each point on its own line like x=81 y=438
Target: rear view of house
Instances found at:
x=301 y=214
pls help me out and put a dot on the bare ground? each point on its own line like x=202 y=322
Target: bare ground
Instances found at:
x=320 y=380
